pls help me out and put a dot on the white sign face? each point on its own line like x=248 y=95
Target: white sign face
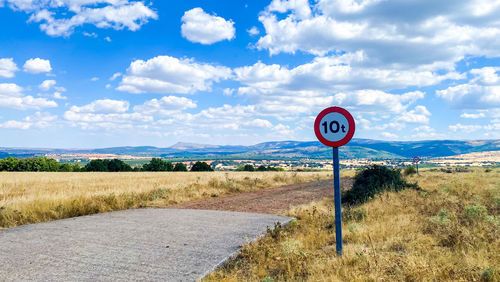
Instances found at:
x=334 y=127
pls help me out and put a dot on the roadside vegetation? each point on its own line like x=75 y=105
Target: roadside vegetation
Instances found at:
x=447 y=230
x=31 y=197
x=114 y=165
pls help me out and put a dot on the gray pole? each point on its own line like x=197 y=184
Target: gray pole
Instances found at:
x=338 y=210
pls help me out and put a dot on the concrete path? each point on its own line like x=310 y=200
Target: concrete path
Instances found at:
x=143 y=244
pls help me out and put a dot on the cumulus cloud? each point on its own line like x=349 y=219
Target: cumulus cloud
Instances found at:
x=253 y=31
x=46 y=85
x=481 y=92
x=38 y=120
x=7 y=67
x=472 y=116
x=426 y=132
x=200 y=27
x=37 y=65
x=332 y=79
x=165 y=74
x=103 y=106
x=115 y=76
x=58 y=95
x=418 y=115
x=465 y=128
x=327 y=80
x=106 y=113
x=60 y=18
x=165 y=106
x=11 y=96
x=391 y=33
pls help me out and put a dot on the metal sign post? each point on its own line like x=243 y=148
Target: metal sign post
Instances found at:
x=416 y=160
x=334 y=127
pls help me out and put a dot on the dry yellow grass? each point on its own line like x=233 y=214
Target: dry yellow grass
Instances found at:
x=448 y=232
x=30 y=197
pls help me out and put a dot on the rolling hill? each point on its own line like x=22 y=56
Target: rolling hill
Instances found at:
x=357 y=148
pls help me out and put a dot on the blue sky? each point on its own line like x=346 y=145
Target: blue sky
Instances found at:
x=99 y=73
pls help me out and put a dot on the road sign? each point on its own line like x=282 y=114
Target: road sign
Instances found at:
x=334 y=127
x=416 y=160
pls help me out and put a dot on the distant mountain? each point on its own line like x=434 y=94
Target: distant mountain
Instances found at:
x=357 y=148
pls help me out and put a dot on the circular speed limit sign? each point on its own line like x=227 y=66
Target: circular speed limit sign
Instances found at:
x=416 y=160
x=334 y=127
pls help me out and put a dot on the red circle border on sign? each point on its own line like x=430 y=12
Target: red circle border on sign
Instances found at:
x=416 y=160
x=350 y=121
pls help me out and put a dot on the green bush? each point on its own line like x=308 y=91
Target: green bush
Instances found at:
x=409 y=170
x=35 y=164
x=157 y=164
x=201 y=166
x=114 y=165
x=374 y=180
x=247 y=167
x=180 y=167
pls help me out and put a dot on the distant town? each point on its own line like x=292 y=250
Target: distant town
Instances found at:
x=491 y=158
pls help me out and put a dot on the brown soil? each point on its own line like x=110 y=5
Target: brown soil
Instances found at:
x=272 y=201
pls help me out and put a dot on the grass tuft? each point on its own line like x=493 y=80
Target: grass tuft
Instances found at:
x=436 y=234
x=31 y=197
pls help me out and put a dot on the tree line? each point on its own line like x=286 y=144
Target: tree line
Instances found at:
x=114 y=165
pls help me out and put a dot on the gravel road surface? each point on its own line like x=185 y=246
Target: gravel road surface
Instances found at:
x=143 y=244
x=272 y=201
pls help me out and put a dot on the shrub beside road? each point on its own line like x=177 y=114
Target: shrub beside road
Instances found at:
x=449 y=230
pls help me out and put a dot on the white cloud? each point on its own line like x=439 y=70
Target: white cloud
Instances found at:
x=464 y=128
x=481 y=92
x=283 y=131
x=115 y=76
x=60 y=88
x=11 y=96
x=7 y=67
x=10 y=89
x=200 y=27
x=95 y=78
x=103 y=106
x=426 y=132
x=38 y=120
x=418 y=115
x=261 y=123
x=253 y=31
x=228 y=91
x=107 y=38
x=165 y=106
x=471 y=96
x=58 y=95
x=105 y=114
x=389 y=135
x=93 y=34
x=16 y=124
x=46 y=85
x=222 y=118
x=472 y=116
x=165 y=74
x=337 y=73
x=37 y=65
x=374 y=101
x=60 y=18
x=391 y=33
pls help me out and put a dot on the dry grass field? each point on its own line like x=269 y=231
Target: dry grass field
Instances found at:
x=31 y=197
x=449 y=231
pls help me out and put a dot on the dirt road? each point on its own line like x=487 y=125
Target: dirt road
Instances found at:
x=271 y=201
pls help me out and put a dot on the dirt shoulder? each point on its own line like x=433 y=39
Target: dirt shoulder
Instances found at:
x=270 y=201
